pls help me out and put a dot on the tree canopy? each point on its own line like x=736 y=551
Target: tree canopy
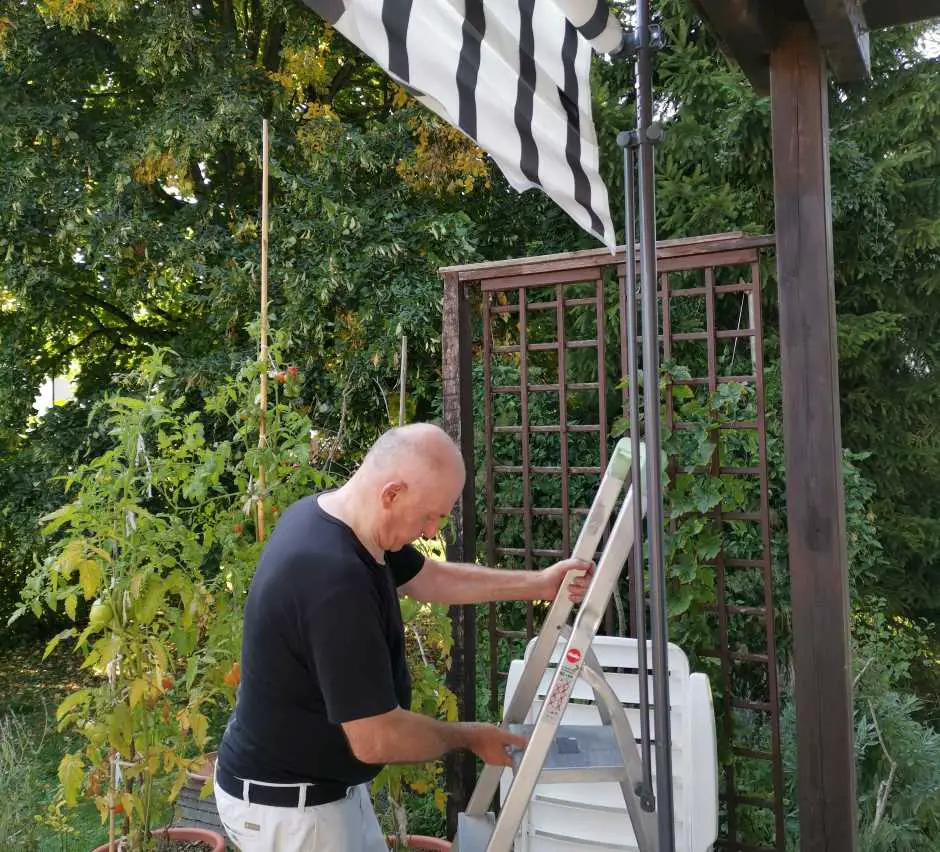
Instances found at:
x=129 y=217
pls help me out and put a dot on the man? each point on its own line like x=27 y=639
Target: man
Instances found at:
x=324 y=694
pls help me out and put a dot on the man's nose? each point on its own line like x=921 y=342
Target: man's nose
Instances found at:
x=430 y=530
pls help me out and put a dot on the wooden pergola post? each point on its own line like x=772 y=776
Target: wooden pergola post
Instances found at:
x=813 y=445
x=458 y=423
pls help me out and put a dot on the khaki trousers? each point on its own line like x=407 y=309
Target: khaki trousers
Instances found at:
x=348 y=825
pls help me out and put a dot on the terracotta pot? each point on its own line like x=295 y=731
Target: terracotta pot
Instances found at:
x=202 y=771
x=420 y=841
x=212 y=838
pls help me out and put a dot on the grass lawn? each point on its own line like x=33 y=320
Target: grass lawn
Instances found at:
x=30 y=751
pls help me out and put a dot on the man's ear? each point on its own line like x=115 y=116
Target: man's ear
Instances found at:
x=391 y=492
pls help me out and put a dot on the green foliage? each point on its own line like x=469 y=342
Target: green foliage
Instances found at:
x=129 y=194
x=428 y=643
x=897 y=750
x=151 y=560
x=20 y=787
x=130 y=203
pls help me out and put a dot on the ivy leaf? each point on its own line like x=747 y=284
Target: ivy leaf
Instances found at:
x=71 y=604
x=680 y=600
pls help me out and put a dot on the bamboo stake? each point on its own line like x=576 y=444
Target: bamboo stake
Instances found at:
x=404 y=377
x=262 y=425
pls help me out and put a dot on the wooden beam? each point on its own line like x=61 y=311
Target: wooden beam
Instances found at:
x=813 y=446
x=745 y=30
x=460 y=766
x=892 y=13
x=843 y=36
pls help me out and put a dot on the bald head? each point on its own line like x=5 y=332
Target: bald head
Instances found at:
x=415 y=450
x=407 y=484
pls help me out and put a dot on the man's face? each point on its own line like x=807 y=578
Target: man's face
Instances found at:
x=416 y=509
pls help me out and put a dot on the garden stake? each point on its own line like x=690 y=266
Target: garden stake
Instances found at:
x=262 y=426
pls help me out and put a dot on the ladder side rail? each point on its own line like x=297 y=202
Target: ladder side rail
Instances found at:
x=585 y=627
x=584 y=549
x=555 y=624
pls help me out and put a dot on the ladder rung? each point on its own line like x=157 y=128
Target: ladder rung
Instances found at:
x=578 y=753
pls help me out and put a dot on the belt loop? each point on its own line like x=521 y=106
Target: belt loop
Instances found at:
x=245 y=785
x=302 y=797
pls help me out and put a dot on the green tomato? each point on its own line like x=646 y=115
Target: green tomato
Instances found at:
x=101 y=614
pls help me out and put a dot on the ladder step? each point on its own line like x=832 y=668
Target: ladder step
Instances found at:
x=577 y=753
x=474 y=832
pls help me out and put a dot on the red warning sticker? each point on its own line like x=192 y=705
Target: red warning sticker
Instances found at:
x=573 y=655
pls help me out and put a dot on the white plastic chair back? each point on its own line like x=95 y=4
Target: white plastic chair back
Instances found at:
x=592 y=815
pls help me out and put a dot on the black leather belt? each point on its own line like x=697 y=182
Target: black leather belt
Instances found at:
x=321 y=793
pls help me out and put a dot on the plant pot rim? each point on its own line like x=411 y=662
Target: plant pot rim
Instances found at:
x=203 y=770
x=213 y=838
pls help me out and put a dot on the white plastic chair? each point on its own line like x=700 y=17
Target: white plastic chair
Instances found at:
x=592 y=815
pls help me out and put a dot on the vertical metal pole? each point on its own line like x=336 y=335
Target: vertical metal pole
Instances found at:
x=628 y=142
x=654 y=512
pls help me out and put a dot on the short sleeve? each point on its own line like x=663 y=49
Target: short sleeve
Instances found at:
x=351 y=655
x=405 y=563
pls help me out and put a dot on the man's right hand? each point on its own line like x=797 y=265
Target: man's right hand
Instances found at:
x=491 y=744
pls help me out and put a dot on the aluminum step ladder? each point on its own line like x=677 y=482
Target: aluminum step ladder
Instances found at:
x=565 y=753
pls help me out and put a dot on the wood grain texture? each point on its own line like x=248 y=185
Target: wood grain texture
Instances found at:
x=843 y=35
x=460 y=766
x=813 y=446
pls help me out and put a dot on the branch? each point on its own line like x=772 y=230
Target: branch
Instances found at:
x=144 y=331
x=227 y=9
x=271 y=56
x=884 y=788
x=162 y=313
x=341 y=78
x=253 y=30
x=858 y=677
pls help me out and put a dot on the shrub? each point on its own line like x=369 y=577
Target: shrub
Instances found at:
x=151 y=558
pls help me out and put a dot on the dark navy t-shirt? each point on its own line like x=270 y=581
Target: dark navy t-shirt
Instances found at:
x=323 y=644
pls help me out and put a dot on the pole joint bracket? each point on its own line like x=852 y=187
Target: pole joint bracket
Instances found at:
x=633 y=41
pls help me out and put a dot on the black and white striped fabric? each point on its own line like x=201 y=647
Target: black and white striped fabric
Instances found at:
x=511 y=74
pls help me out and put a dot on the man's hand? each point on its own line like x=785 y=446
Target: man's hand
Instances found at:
x=552 y=577
x=491 y=744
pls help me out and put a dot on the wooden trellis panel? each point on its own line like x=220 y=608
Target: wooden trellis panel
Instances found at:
x=534 y=359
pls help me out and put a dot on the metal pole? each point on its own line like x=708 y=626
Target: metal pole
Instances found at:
x=654 y=512
x=628 y=142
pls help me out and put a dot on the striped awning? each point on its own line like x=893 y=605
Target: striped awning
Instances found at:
x=513 y=76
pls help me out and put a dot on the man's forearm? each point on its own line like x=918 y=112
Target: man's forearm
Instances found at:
x=406 y=737
x=458 y=583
